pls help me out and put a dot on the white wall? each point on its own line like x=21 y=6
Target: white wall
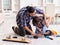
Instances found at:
x=50 y=10
x=24 y=3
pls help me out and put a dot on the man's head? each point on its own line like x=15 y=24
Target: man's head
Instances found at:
x=30 y=10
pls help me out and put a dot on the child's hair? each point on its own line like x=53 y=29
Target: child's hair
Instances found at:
x=37 y=21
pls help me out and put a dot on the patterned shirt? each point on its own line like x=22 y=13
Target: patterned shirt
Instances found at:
x=23 y=18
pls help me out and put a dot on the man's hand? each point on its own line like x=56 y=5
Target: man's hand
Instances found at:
x=33 y=34
x=27 y=29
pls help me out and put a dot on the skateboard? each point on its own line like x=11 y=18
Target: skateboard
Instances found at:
x=15 y=39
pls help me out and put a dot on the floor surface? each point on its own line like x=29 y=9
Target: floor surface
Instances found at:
x=5 y=29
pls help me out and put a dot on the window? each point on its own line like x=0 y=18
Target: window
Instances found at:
x=17 y=4
x=49 y=1
x=0 y=5
x=7 y=4
x=57 y=4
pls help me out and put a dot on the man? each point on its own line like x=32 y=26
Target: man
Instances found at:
x=24 y=16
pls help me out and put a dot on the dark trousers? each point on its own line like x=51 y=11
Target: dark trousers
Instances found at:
x=21 y=31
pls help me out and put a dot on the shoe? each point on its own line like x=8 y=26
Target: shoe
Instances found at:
x=14 y=28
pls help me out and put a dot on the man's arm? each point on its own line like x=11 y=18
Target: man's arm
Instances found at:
x=47 y=21
x=24 y=24
x=27 y=29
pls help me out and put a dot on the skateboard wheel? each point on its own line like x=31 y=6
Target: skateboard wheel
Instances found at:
x=14 y=37
x=35 y=37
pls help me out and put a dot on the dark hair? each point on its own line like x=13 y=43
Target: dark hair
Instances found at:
x=37 y=21
x=30 y=9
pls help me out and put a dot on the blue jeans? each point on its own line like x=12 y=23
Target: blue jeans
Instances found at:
x=42 y=29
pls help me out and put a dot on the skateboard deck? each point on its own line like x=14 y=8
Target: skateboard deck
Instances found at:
x=17 y=40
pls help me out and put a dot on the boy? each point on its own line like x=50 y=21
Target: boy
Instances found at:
x=39 y=23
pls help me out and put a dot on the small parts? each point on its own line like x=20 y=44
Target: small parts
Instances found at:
x=36 y=37
x=14 y=36
x=8 y=37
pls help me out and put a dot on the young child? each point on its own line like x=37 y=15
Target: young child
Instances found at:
x=40 y=26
